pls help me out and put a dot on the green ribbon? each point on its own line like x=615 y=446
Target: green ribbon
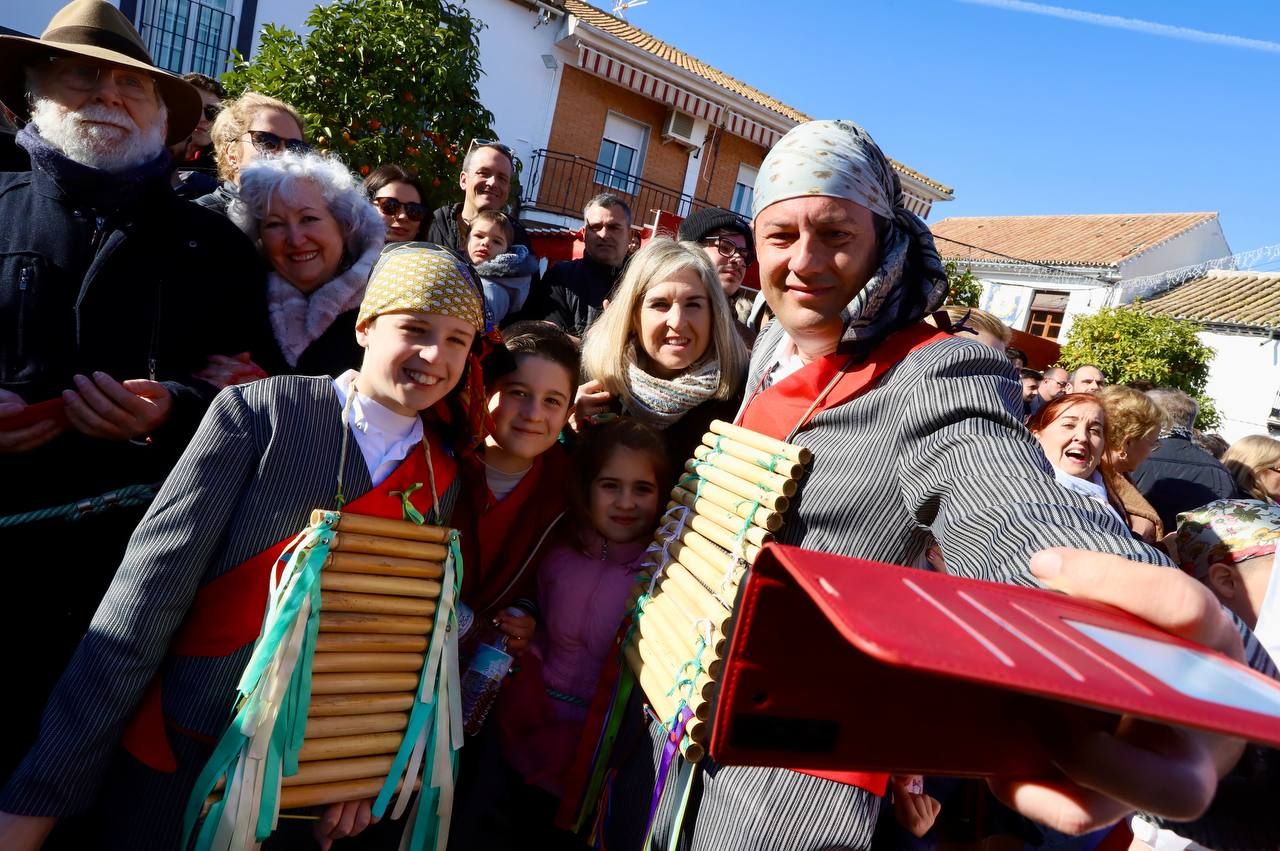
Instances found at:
x=412 y=514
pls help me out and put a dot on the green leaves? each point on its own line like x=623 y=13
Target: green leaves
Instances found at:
x=372 y=78
x=965 y=287
x=1128 y=344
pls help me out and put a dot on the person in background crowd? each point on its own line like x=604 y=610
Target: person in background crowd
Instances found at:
x=574 y=291
x=972 y=323
x=251 y=126
x=194 y=168
x=487 y=171
x=397 y=196
x=1017 y=357
x=1178 y=476
x=113 y=292
x=1213 y=443
x=1072 y=432
x=321 y=239
x=1053 y=385
x=1030 y=389
x=665 y=352
x=1230 y=546
x=1254 y=462
x=153 y=685
x=1087 y=379
x=1133 y=429
x=506 y=270
x=923 y=442
x=726 y=237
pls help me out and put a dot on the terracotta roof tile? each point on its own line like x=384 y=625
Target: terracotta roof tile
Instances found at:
x=620 y=29
x=1093 y=240
x=1225 y=298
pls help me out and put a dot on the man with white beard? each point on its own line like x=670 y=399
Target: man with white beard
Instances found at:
x=113 y=292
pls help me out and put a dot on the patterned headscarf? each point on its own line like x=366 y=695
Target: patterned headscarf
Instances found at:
x=425 y=278
x=1226 y=530
x=839 y=159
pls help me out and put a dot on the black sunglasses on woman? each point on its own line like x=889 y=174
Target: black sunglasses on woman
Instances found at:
x=414 y=211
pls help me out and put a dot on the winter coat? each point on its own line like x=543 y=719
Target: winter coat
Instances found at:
x=506 y=280
x=1179 y=476
x=572 y=294
x=444 y=230
x=220 y=199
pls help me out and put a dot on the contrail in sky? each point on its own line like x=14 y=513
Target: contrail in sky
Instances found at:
x=1134 y=24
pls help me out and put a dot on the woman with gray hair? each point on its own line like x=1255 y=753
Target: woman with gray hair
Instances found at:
x=916 y=433
x=321 y=238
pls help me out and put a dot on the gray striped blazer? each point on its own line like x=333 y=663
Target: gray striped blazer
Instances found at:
x=933 y=450
x=265 y=454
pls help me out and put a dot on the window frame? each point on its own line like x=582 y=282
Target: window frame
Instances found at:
x=610 y=176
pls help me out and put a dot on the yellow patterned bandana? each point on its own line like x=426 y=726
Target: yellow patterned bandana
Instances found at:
x=423 y=278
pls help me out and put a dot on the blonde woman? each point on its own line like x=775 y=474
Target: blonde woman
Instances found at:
x=251 y=126
x=665 y=350
x=1253 y=461
x=970 y=322
x=1133 y=424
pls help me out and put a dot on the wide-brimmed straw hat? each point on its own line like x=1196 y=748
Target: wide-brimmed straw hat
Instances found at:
x=97 y=30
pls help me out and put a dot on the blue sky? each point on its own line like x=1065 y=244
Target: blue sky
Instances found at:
x=1024 y=113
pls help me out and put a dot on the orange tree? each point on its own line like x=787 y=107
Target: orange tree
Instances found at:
x=380 y=81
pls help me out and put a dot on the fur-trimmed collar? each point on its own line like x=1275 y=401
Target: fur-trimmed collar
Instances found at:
x=298 y=320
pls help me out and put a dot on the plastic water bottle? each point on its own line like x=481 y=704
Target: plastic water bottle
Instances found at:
x=483 y=678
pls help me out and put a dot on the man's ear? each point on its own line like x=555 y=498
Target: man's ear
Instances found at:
x=1223 y=580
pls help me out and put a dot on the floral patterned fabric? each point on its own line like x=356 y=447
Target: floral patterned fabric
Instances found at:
x=1226 y=530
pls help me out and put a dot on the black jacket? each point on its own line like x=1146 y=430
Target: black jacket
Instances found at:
x=1179 y=476
x=220 y=199
x=150 y=288
x=444 y=230
x=572 y=293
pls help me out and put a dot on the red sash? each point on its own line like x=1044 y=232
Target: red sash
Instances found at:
x=781 y=409
x=227 y=612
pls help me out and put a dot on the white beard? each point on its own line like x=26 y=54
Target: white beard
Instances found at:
x=110 y=149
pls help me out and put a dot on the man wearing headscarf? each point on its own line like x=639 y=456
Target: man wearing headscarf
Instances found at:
x=914 y=433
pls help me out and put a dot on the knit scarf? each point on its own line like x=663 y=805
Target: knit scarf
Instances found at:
x=661 y=402
x=102 y=190
x=298 y=319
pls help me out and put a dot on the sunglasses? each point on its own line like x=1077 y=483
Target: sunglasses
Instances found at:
x=727 y=248
x=269 y=143
x=495 y=144
x=414 y=211
x=211 y=111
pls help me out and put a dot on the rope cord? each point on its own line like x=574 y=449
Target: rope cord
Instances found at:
x=126 y=497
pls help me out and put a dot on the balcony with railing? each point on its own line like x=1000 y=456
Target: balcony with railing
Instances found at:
x=561 y=184
x=187 y=35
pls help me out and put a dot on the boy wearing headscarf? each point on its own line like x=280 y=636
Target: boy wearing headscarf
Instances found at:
x=134 y=718
x=916 y=435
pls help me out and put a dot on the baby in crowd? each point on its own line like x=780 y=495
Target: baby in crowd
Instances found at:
x=506 y=270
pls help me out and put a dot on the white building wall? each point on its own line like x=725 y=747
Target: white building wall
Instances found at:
x=1204 y=242
x=1243 y=379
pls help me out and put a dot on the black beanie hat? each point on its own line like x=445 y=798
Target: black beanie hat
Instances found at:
x=710 y=220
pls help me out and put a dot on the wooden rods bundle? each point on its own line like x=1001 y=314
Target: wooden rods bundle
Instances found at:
x=731 y=519
x=354 y=642
x=762 y=442
x=375 y=604
x=730 y=501
x=774 y=463
x=350 y=542
x=746 y=470
x=684 y=631
x=664 y=704
x=339 y=747
x=708 y=575
x=383 y=565
x=363 y=683
x=658 y=656
x=710 y=551
x=743 y=488
x=325 y=663
x=324 y=727
x=367 y=623
x=324 y=705
x=396 y=586
x=694 y=596
x=337 y=770
x=320 y=794
x=724 y=538
x=363 y=524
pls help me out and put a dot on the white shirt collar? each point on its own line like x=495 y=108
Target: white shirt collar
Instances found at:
x=384 y=436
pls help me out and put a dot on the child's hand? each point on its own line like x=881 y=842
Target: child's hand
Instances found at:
x=342 y=820
x=915 y=811
x=592 y=399
x=518 y=627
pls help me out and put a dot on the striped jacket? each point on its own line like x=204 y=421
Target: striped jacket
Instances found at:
x=937 y=449
x=264 y=456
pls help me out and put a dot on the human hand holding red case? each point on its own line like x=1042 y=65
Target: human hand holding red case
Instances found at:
x=839 y=664
x=54 y=410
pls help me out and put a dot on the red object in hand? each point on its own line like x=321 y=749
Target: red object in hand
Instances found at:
x=52 y=410
x=840 y=664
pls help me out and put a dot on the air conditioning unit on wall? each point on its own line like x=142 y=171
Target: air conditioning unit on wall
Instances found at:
x=679 y=127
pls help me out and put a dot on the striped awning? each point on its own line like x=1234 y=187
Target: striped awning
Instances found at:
x=655 y=87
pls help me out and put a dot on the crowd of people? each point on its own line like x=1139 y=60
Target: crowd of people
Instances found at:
x=195 y=362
